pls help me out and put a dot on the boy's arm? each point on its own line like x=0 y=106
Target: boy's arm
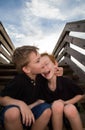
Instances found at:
x=75 y=99
x=5 y=101
x=27 y=115
x=39 y=101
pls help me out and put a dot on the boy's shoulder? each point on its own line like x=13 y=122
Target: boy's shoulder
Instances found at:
x=18 y=79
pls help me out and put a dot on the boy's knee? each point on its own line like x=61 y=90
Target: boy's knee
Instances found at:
x=57 y=106
x=70 y=111
x=47 y=113
x=12 y=114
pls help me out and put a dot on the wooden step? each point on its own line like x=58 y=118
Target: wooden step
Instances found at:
x=8 y=66
x=8 y=72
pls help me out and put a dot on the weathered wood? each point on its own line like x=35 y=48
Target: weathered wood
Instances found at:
x=64 y=53
x=6 y=46
x=75 y=41
x=3 y=61
x=6 y=36
x=5 y=54
x=78 y=26
x=76 y=69
x=7 y=66
x=60 y=41
x=77 y=55
x=8 y=72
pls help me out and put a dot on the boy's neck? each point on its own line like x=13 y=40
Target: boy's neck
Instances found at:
x=52 y=83
x=33 y=77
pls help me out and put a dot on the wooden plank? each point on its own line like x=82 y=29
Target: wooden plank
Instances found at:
x=61 y=55
x=6 y=77
x=76 y=41
x=5 y=54
x=6 y=36
x=60 y=41
x=59 y=49
x=7 y=66
x=3 y=61
x=75 y=68
x=78 y=26
x=6 y=45
x=7 y=72
x=78 y=56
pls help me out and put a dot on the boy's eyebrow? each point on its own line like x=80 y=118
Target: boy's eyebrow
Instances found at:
x=36 y=59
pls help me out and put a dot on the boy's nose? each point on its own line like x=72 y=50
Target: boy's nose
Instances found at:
x=44 y=68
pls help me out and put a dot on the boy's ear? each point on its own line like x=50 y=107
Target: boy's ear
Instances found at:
x=56 y=63
x=26 y=69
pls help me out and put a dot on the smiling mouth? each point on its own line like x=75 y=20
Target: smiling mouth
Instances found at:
x=46 y=73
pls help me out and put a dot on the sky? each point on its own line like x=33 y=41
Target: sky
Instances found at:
x=39 y=22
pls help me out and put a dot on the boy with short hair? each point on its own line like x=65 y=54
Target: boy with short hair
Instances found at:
x=63 y=95
x=19 y=99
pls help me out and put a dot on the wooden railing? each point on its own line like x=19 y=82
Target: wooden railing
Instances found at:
x=70 y=54
x=7 y=69
x=70 y=49
x=6 y=46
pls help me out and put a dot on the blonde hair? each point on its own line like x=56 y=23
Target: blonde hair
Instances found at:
x=21 y=55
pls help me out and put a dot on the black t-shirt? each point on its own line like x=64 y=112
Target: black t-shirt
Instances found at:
x=22 y=88
x=65 y=89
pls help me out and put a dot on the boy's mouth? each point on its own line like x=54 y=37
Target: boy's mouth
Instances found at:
x=46 y=73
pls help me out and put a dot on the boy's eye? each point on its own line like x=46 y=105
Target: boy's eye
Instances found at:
x=38 y=61
x=46 y=63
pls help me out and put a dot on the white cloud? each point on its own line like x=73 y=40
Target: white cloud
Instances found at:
x=42 y=43
x=76 y=13
x=44 y=9
x=42 y=21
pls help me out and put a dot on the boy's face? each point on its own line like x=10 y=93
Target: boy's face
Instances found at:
x=35 y=65
x=49 y=67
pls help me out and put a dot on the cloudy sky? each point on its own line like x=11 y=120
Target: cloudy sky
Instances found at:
x=39 y=22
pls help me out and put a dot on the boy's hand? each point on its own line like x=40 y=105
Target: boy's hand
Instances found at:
x=40 y=101
x=58 y=71
x=27 y=115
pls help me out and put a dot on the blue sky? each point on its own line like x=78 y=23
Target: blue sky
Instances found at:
x=39 y=22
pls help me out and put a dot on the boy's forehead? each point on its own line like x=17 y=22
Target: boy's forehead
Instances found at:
x=34 y=56
x=45 y=58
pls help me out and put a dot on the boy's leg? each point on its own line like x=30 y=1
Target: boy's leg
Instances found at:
x=42 y=121
x=11 y=118
x=72 y=115
x=57 y=115
x=42 y=114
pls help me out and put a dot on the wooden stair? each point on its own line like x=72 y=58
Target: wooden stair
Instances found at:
x=8 y=71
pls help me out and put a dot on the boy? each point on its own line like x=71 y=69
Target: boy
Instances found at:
x=60 y=90
x=19 y=99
